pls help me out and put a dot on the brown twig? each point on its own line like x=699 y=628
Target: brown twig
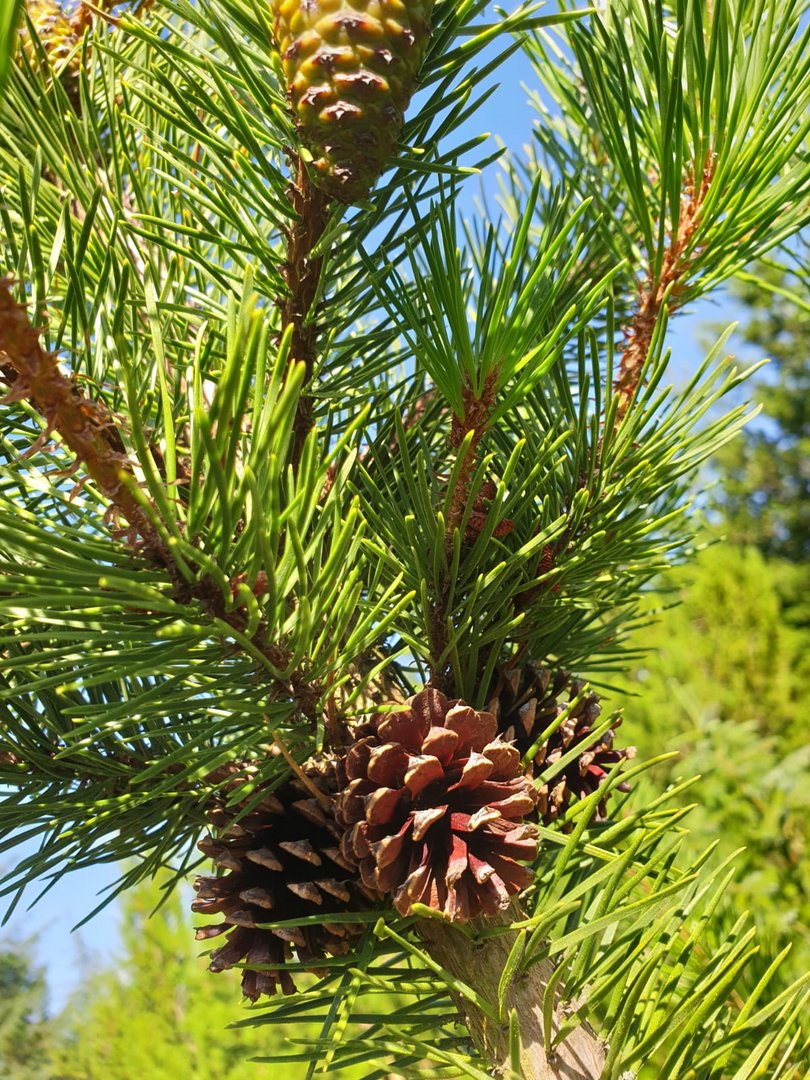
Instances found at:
x=476 y=412
x=85 y=426
x=302 y=273
x=675 y=264
x=475 y=419
x=88 y=430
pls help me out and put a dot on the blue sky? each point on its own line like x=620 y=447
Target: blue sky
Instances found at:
x=63 y=954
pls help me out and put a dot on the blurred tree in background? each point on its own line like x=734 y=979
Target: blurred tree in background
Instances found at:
x=157 y=1014
x=728 y=641
x=764 y=498
x=728 y=678
x=26 y=1034
x=724 y=686
x=152 y=1014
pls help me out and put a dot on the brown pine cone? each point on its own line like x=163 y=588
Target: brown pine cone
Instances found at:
x=282 y=861
x=526 y=700
x=433 y=803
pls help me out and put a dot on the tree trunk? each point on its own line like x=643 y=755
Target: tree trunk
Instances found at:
x=480 y=965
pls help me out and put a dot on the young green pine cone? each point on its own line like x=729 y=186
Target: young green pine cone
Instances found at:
x=55 y=31
x=351 y=67
x=433 y=805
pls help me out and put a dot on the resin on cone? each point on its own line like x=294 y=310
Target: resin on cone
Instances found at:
x=279 y=862
x=433 y=805
x=526 y=701
x=351 y=67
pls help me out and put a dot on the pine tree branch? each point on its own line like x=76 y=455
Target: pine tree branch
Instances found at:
x=302 y=272
x=85 y=426
x=675 y=265
x=88 y=430
x=474 y=419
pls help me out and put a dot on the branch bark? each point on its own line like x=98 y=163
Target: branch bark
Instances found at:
x=85 y=426
x=475 y=418
x=88 y=430
x=302 y=272
x=675 y=266
x=480 y=965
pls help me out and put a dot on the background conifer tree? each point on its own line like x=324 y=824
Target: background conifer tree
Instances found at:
x=313 y=493
x=764 y=496
x=155 y=1012
x=27 y=1037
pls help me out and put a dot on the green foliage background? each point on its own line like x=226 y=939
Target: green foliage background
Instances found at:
x=725 y=685
x=153 y=1014
x=727 y=678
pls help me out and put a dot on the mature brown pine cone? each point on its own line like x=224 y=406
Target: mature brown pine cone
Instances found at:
x=282 y=861
x=433 y=803
x=526 y=700
x=351 y=66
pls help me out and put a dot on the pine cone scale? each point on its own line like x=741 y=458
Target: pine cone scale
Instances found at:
x=423 y=769
x=424 y=819
x=307 y=890
x=264 y=857
x=258 y=896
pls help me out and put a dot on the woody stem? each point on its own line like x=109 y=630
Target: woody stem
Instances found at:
x=302 y=273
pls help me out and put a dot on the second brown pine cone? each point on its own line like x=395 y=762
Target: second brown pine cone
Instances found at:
x=526 y=701
x=279 y=862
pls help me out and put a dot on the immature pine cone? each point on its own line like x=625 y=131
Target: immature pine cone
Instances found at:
x=526 y=700
x=351 y=66
x=54 y=30
x=433 y=804
x=282 y=862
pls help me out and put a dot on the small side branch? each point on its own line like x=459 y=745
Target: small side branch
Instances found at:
x=85 y=426
x=475 y=418
x=675 y=265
